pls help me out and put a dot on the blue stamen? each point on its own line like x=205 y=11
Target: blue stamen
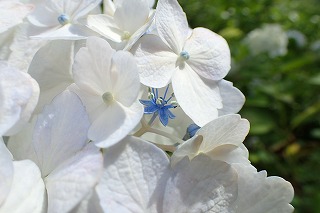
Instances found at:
x=157 y=93
x=159 y=106
x=165 y=93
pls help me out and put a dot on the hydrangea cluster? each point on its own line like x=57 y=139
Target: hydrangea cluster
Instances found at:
x=115 y=106
x=270 y=38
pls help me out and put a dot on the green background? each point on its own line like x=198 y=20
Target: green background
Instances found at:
x=282 y=93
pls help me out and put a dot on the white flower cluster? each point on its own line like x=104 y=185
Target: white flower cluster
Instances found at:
x=122 y=111
x=270 y=38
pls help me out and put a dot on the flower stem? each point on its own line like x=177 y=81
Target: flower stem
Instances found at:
x=146 y=127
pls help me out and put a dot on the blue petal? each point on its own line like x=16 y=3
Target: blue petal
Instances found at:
x=150 y=109
x=170 y=114
x=166 y=108
x=163 y=116
x=146 y=102
x=192 y=129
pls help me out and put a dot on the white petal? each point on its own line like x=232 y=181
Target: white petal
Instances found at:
x=230 y=154
x=209 y=54
x=91 y=69
x=115 y=124
x=60 y=131
x=198 y=97
x=66 y=32
x=155 y=60
x=134 y=177
x=105 y=26
x=23 y=48
x=89 y=205
x=73 y=180
x=131 y=15
x=141 y=31
x=21 y=145
x=27 y=191
x=259 y=193
x=6 y=39
x=77 y=9
x=12 y=13
x=229 y=129
x=172 y=24
x=232 y=98
x=6 y=171
x=189 y=148
x=53 y=77
x=43 y=16
x=92 y=101
x=202 y=185
x=108 y=7
x=125 y=82
x=18 y=97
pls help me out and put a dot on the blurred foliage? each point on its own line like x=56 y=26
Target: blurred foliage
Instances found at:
x=283 y=93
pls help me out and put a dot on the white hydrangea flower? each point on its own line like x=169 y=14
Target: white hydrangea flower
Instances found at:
x=69 y=166
x=193 y=60
x=12 y=13
x=129 y=21
x=270 y=38
x=19 y=95
x=60 y=19
x=108 y=84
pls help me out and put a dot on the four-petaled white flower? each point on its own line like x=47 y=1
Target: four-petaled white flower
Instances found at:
x=193 y=60
x=59 y=19
x=129 y=21
x=108 y=84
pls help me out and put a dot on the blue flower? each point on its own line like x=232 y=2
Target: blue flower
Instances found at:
x=159 y=106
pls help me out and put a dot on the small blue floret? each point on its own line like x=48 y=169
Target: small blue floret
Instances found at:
x=192 y=129
x=64 y=19
x=159 y=105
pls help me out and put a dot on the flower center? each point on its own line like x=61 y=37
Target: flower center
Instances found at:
x=64 y=19
x=160 y=102
x=126 y=35
x=107 y=98
x=184 y=55
x=159 y=106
